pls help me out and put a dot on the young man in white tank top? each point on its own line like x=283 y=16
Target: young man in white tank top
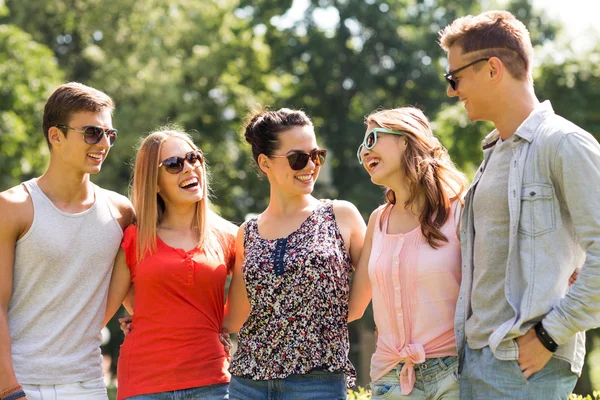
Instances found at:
x=58 y=239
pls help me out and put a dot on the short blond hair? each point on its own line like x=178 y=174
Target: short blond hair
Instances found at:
x=492 y=34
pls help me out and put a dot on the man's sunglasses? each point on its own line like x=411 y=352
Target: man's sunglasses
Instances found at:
x=93 y=134
x=174 y=165
x=370 y=140
x=450 y=78
x=299 y=159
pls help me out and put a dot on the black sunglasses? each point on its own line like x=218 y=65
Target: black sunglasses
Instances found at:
x=299 y=159
x=450 y=78
x=93 y=134
x=174 y=165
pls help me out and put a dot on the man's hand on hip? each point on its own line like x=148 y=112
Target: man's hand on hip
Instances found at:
x=533 y=356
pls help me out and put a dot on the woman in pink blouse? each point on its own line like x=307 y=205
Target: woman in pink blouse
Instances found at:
x=410 y=264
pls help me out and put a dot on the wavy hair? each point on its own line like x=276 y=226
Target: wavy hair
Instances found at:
x=213 y=232
x=430 y=174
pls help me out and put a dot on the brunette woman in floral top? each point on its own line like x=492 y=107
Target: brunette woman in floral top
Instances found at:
x=291 y=279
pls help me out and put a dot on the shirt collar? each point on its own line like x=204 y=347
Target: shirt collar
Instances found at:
x=527 y=129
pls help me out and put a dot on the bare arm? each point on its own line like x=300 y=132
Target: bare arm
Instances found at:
x=360 y=292
x=16 y=212
x=238 y=306
x=120 y=283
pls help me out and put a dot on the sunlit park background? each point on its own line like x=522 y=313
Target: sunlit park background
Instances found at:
x=205 y=63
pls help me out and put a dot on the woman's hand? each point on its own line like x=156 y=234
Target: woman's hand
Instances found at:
x=126 y=324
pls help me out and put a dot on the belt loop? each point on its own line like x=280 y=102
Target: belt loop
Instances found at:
x=442 y=363
x=398 y=369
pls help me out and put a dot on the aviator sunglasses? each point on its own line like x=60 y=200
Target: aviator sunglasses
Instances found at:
x=371 y=140
x=93 y=134
x=299 y=159
x=174 y=165
x=450 y=78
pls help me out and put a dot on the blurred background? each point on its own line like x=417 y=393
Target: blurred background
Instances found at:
x=204 y=64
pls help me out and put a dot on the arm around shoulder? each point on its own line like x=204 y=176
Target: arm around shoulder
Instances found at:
x=360 y=292
x=237 y=307
x=120 y=283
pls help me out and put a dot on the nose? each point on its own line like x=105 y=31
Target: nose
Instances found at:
x=104 y=141
x=364 y=152
x=451 y=92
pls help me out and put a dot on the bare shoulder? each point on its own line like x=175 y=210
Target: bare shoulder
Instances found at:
x=349 y=219
x=122 y=207
x=344 y=209
x=16 y=212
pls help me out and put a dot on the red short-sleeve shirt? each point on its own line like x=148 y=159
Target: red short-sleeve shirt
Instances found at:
x=178 y=313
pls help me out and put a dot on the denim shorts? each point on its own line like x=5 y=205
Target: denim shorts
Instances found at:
x=483 y=376
x=316 y=385
x=209 y=392
x=92 y=389
x=436 y=378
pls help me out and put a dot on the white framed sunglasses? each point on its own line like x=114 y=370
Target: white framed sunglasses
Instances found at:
x=370 y=140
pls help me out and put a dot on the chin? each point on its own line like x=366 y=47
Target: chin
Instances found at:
x=94 y=171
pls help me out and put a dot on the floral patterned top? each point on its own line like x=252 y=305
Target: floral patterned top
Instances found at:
x=298 y=288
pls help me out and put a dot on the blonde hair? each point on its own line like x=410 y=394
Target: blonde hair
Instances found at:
x=492 y=34
x=427 y=167
x=213 y=232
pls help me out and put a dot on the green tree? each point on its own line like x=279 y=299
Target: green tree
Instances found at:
x=28 y=73
x=195 y=64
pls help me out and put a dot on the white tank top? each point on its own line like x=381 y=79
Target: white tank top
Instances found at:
x=61 y=275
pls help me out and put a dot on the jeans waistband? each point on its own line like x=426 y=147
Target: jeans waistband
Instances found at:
x=432 y=364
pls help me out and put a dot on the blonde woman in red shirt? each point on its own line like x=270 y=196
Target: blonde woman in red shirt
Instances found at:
x=410 y=264
x=176 y=257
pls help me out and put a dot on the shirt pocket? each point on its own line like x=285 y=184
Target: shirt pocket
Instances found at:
x=537 y=209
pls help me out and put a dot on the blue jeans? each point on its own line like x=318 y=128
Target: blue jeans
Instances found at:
x=436 y=378
x=483 y=376
x=210 y=392
x=316 y=385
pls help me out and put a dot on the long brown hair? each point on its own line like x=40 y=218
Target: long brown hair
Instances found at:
x=431 y=176
x=213 y=232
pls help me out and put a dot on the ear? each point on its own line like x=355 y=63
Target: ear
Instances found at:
x=55 y=135
x=496 y=69
x=264 y=164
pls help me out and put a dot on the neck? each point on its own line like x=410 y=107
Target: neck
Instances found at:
x=180 y=218
x=65 y=184
x=285 y=205
x=402 y=193
x=513 y=108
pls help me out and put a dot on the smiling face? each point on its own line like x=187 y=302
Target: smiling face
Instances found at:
x=71 y=148
x=278 y=170
x=185 y=187
x=472 y=88
x=384 y=161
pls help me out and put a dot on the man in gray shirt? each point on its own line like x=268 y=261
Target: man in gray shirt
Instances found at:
x=531 y=218
x=58 y=238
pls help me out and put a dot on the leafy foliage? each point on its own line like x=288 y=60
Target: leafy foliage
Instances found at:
x=203 y=65
x=22 y=96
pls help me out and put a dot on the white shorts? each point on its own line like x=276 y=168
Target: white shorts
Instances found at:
x=93 y=389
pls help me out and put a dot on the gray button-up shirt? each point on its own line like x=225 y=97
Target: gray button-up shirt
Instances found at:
x=554 y=206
